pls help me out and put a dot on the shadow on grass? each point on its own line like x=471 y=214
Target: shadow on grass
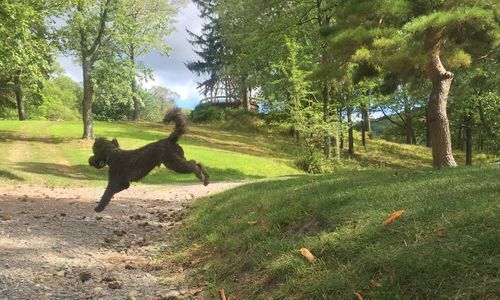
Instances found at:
x=158 y=176
x=77 y=172
x=11 y=136
x=9 y=175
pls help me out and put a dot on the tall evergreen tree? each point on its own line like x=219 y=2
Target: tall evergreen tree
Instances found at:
x=209 y=46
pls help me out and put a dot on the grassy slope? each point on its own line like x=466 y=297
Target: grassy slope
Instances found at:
x=445 y=245
x=41 y=152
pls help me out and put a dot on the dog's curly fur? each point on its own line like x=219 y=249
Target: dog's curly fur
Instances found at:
x=126 y=166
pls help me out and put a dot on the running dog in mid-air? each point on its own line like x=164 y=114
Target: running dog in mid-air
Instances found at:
x=126 y=166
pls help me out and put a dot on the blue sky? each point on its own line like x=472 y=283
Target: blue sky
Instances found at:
x=168 y=71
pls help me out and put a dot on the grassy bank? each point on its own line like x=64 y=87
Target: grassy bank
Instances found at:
x=444 y=246
x=52 y=153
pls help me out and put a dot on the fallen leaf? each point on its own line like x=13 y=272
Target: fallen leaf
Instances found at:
x=358 y=296
x=375 y=283
x=307 y=254
x=440 y=232
x=392 y=217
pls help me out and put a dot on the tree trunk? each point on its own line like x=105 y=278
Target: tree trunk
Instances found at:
x=247 y=99
x=368 y=125
x=459 y=137
x=442 y=155
x=364 y=126
x=468 y=140
x=341 y=144
x=428 y=142
x=134 y=85
x=350 y=131
x=338 y=138
x=410 y=131
x=18 y=89
x=326 y=114
x=88 y=93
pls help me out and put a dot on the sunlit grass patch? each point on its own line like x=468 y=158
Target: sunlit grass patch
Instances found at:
x=52 y=153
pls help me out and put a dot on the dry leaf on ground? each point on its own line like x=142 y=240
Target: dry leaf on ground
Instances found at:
x=392 y=217
x=307 y=254
x=375 y=283
x=358 y=296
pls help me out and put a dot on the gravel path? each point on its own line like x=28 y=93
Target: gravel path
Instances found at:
x=53 y=245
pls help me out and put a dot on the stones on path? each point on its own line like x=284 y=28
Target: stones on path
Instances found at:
x=119 y=232
x=71 y=248
x=85 y=276
x=115 y=285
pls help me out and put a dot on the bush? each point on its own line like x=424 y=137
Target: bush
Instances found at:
x=228 y=117
x=314 y=162
x=206 y=113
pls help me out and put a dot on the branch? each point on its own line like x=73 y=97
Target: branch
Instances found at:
x=102 y=28
x=401 y=117
x=389 y=118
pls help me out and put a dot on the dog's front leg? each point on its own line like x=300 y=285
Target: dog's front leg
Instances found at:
x=111 y=189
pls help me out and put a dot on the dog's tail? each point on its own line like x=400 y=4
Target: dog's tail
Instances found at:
x=175 y=114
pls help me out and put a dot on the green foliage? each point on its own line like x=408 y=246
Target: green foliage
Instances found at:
x=113 y=92
x=61 y=100
x=206 y=113
x=157 y=101
x=58 y=99
x=314 y=162
x=227 y=117
x=26 y=51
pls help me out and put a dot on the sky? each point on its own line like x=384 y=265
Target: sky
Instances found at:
x=168 y=71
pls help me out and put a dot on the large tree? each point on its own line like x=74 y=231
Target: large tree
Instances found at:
x=410 y=37
x=25 y=52
x=209 y=46
x=141 y=26
x=86 y=33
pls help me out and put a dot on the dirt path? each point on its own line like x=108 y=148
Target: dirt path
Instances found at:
x=53 y=246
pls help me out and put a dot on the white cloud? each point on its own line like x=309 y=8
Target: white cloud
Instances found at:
x=168 y=71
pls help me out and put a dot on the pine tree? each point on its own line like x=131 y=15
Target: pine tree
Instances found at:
x=209 y=47
x=413 y=37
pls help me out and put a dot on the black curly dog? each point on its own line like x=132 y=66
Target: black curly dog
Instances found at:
x=126 y=166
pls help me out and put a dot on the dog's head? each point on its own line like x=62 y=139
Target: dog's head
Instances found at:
x=102 y=149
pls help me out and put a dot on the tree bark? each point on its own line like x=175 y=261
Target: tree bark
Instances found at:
x=18 y=89
x=88 y=52
x=363 y=125
x=326 y=115
x=428 y=142
x=247 y=99
x=133 y=85
x=459 y=137
x=341 y=144
x=350 y=131
x=441 y=79
x=88 y=93
x=468 y=140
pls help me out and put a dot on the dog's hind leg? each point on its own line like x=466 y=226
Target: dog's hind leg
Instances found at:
x=183 y=166
x=111 y=189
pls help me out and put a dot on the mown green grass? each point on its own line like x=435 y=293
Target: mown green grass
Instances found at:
x=42 y=152
x=445 y=245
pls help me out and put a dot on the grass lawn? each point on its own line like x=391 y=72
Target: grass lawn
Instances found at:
x=52 y=153
x=444 y=246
